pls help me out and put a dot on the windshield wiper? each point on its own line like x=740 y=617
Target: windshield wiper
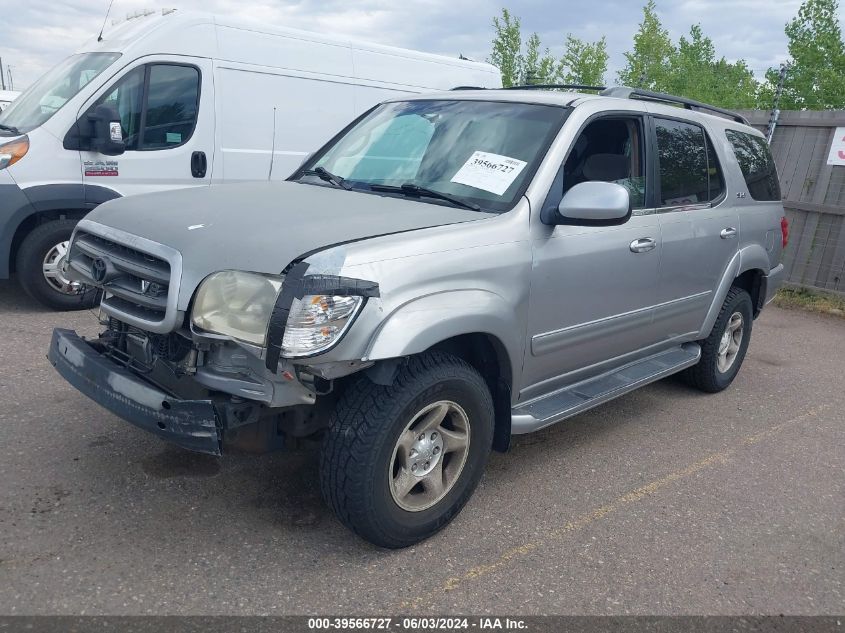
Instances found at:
x=10 y=128
x=324 y=174
x=415 y=191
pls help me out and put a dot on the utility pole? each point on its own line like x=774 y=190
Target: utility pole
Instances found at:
x=773 y=118
x=9 y=77
x=2 y=76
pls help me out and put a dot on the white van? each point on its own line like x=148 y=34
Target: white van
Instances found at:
x=6 y=98
x=179 y=100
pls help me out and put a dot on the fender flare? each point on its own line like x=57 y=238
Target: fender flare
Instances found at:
x=422 y=323
x=751 y=257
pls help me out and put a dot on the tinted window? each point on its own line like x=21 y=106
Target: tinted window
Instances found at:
x=716 y=181
x=682 y=158
x=126 y=96
x=755 y=161
x=172 y=99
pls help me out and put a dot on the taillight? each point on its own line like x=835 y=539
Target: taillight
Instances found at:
x=784 y=230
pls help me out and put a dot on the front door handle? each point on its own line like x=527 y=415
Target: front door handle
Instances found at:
x=643 y=245
x=727 y=232
x=199 y=164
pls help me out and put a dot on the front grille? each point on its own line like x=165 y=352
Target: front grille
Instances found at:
x=134 y=283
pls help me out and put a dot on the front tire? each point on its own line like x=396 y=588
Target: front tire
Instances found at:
x=39 y=262
x=399 y=462
x=723 y=351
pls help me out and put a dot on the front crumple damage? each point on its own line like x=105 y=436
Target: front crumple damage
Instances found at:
x=191 y=424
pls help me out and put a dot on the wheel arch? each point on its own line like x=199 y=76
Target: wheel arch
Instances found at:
x=474 y=325
x=45 y=203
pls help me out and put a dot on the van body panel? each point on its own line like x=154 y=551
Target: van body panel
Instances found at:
x=268 y=96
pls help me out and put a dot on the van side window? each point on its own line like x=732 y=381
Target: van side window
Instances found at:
x=609 y=150
x=171 y=108
x=167 y=111
x=126 y=96
x=758 y=168
x=682 y=160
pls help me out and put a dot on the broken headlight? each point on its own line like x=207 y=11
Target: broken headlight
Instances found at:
x=316 y=322
x=236 y=304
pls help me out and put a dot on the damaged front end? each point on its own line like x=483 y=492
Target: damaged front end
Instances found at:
x=213 y=378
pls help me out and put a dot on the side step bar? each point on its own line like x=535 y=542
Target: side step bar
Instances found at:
x=559 y=405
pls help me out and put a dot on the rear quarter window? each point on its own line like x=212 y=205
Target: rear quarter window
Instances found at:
x=758 y=168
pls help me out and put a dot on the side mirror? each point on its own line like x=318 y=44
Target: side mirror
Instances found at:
x=594 y=203
x=108 y=135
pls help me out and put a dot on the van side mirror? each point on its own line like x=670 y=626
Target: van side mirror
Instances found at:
x=594 y=203
x=108 y=135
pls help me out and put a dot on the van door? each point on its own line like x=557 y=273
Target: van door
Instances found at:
x=699 y=225
x=166 y=108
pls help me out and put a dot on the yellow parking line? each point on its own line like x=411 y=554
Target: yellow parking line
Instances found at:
x=587 y=518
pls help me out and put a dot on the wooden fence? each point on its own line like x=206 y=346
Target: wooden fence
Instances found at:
x=814 y=196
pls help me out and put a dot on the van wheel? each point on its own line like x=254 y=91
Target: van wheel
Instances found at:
x=724 y=350
x=39 y=263
x=399 y=462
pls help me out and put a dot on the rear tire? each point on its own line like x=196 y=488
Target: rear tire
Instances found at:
x=399 y=462
x=39 y=258
x=723 y=351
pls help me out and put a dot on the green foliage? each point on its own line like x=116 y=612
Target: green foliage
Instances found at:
x=582 y=62
x=694 y=72
x=507 y=46
x=815 y=79
x=649 y=62
x=690 y=68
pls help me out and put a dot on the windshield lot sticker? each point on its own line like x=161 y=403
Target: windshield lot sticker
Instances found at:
x=490 y=172
x=101 y=168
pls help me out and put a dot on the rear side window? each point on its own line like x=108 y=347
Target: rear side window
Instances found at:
x=688 y=168
x=758 y=167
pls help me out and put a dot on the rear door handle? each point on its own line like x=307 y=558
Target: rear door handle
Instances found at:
x=643 y=245
x=727 y=232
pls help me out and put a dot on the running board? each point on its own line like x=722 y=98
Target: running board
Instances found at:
x=559 y=405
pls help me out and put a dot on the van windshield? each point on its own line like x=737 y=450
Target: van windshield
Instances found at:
x=478 y=153
x=47 y=96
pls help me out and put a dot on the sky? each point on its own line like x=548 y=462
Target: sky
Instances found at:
x=37 y=34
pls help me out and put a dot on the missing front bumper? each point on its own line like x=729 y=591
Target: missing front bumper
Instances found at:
x=191 y=424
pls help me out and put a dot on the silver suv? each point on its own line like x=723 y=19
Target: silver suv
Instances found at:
x=446 y=272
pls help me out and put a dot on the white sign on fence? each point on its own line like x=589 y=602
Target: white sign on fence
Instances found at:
x=837 y=148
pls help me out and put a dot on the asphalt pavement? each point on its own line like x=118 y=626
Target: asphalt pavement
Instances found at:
x=665 y=501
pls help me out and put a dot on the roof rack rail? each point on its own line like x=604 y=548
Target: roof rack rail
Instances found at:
x=468 y=88
x=623 y=92
x=551 y=86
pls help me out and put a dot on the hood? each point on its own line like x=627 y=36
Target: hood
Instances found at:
x=262 y=227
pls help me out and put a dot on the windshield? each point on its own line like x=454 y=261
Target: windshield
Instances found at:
x=53 y=90
x=480 y=152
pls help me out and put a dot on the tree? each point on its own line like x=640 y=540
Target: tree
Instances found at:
x=648 y=63
x=583 y=62
x=695 y=73
x=507 y=47
x=538 y=67
x=815 y=79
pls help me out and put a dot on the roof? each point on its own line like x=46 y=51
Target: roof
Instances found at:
x=573 y=99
